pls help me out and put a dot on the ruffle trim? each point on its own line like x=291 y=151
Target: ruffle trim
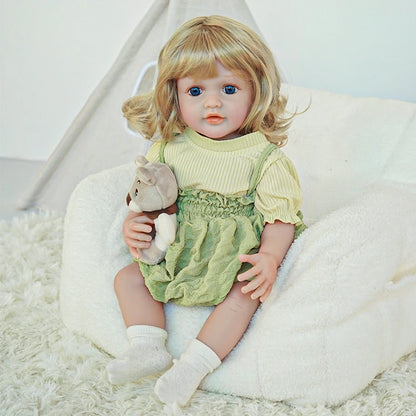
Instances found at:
x=198 y=203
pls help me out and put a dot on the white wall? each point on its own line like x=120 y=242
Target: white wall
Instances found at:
x=54 y=53
x=357 y=47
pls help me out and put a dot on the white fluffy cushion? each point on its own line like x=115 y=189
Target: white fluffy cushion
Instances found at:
x=344 y=303
x=341 y=145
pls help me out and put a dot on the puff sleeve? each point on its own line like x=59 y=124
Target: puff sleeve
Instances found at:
x=152 y=154
x=278 y=192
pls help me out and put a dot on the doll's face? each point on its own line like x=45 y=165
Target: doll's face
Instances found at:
x=215 y=107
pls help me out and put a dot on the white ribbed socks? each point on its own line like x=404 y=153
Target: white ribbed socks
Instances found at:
x=146 y=356
x=179 y=383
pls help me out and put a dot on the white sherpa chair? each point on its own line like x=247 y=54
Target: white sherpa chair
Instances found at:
x=344 y=305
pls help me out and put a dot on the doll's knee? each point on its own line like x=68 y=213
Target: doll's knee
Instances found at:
x=128 y=278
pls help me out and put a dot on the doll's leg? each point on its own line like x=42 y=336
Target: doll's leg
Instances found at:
x=219 y=335
x=145 y=322
x=228 y=321
x=136 y=303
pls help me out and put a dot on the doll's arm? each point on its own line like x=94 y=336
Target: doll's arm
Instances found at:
x=274 y=244
x=136 y=229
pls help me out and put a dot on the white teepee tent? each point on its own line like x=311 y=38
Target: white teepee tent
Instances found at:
x=97 y=138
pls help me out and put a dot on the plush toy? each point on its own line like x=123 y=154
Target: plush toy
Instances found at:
x=153 y=193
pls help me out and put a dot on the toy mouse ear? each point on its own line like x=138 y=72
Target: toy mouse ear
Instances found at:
x=146 y=176
x=141 y=161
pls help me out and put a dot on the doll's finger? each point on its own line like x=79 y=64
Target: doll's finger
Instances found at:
x=141 y=245
x=141 y=237
x=141 y=227
x=253 y=285
x=141 y=219
x=256 y=294
x=248 y=258
x=133 y=243
x=249 y=274
x=266 y=294
x=260 y=291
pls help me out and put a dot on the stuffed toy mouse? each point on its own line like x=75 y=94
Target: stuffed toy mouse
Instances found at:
x=153 y=193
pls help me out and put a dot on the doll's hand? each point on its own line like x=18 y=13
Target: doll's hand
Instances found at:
x=136 y=229
x=263 y=274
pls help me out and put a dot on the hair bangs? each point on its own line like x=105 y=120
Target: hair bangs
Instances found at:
x=197 y=53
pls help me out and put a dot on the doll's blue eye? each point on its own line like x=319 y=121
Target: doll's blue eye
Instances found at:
x=195 y=91
x=230 y=89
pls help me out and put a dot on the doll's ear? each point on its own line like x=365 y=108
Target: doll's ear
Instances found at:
x=146 y=176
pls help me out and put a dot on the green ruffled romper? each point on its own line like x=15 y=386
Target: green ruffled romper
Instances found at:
x=201 y=265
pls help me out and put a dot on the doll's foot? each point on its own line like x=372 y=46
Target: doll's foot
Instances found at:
x=179 y=383
x=146 y=356
x=137 y=362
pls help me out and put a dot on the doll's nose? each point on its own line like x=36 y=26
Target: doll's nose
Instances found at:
x=212 y=101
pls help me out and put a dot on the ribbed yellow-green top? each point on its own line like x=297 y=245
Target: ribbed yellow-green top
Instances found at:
x=225 y=166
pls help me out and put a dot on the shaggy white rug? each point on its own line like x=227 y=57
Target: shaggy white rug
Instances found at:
x=47 y=370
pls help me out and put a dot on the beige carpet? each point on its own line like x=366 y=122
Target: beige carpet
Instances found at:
x=47 y=370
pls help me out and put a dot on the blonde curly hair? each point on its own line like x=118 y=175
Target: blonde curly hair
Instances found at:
x=192 y=51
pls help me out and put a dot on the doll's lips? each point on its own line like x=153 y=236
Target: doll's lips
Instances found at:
x=214 y=119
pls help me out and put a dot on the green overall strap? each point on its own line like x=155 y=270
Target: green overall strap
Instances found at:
x=255 y=176
x=162 y=151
